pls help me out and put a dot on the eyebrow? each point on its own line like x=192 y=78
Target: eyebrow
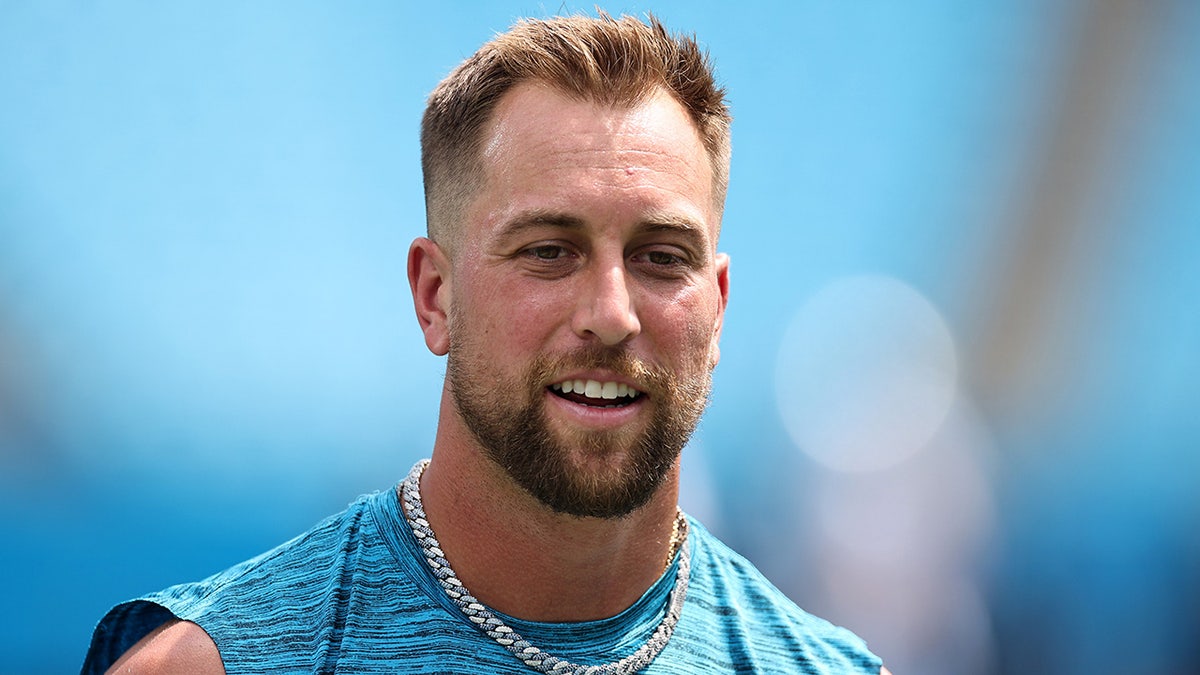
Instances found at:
x=683 y=226
x=654 y=222
x=528 y=220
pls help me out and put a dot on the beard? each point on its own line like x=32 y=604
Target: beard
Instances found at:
x=509 y=421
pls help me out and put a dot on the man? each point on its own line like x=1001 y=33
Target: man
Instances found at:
x=575 y=174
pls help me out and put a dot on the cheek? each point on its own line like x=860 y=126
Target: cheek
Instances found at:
x=509 y=319
x=687 y=332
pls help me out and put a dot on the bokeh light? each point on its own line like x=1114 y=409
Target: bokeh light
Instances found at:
x=867 y=373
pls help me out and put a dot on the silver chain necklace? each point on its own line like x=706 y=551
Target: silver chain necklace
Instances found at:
x=493 y=627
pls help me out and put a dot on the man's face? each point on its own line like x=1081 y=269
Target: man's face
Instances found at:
x=586 y=297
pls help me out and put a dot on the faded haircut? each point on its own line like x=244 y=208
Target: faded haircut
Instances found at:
x=618 y=62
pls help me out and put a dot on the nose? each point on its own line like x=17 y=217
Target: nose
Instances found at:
x=605 y=308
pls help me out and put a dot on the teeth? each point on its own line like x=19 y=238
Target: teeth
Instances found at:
x=596 y=389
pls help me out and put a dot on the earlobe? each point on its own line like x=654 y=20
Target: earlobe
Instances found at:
x=429 y=278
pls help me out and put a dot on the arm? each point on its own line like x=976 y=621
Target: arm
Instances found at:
x=884 y=671
x=174 y=647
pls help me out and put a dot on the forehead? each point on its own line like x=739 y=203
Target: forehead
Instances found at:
x=546 y=150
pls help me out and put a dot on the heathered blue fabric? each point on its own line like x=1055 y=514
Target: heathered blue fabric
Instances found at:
x=353 y=595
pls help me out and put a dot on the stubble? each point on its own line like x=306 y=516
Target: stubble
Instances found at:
x=509 y=420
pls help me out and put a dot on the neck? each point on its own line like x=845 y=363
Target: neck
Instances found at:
x=569 y=568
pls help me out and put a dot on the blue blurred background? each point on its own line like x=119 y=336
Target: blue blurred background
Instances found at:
x=957 y=406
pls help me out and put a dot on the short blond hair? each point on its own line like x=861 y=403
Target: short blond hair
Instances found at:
x=609 y=61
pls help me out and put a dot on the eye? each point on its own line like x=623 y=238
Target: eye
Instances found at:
x=549 y=258
x=665 y=261
x=546 y=252
x=663 y=258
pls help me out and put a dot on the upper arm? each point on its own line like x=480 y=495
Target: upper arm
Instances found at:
x=174 y=647
x=884 y=671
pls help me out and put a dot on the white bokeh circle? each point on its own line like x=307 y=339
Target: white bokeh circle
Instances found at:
x=866 y=374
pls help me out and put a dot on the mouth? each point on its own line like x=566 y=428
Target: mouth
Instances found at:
x=596 y=393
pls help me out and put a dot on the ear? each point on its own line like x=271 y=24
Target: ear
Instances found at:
x=722 y=265
x=429 y=277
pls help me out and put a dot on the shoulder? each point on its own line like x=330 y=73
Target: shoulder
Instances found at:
x=311 y=556
x=733 y=600
x=174 y=647
x=728 y=577
x=292 y=587
x=292 y=580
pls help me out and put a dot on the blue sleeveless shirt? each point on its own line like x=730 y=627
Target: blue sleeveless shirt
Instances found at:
x=354 y=595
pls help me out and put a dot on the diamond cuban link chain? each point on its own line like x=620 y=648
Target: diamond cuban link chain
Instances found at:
x=493 y=627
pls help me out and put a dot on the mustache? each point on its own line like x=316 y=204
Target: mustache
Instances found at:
x=617 y=360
